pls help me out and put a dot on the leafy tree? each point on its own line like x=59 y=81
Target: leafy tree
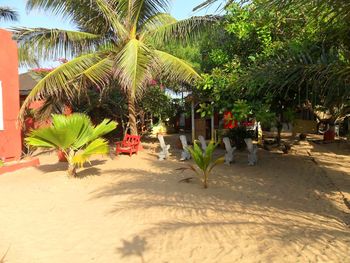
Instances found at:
x=75 y=136
x=117 y=42
x=288 y=55
x=156 y=102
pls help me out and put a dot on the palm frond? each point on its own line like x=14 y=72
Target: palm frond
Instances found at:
x=43 y=138
x=197 y=155
x=143 y=10
x=217 y=162
x=157 y=21
x=175 y=68
x=112 y=18
x=8 y=14
x=26 y=58
x=83 y=13
x=56 y=43
x=63 y=80
x=132 y=66
x=181 y=31
x=76 y=128
x=103 y=128
x=208 y=3
x=98 y=146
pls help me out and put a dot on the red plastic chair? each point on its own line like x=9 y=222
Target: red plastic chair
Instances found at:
x=130 y=144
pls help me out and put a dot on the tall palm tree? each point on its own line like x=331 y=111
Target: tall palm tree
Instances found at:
x=8 y=14
x=116 y=41
x=208 y=3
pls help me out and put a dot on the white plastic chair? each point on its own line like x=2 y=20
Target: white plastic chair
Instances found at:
x=164 y=153
x=229 y=150
x=185 y=155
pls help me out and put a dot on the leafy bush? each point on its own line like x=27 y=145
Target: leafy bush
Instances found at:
x=75 y=136
x=159 y=128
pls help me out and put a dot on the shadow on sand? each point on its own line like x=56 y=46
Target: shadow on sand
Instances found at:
x=234 y=191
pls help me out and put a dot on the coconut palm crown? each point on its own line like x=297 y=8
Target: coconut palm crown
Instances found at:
x=116 y=41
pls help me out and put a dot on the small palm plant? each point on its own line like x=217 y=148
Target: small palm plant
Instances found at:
x=204 y=162
x=75 y=136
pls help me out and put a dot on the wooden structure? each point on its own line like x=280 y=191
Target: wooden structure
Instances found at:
x=201 y=126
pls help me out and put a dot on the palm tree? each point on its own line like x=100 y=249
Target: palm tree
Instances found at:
x=208 y=3
x=75 y=136
x=204 y=162
x=116 y=42
x=8 y=14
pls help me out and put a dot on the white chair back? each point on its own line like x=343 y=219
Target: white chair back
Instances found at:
x=164 y=153
x=185 y=155
x=227 y=143
x=203 y=142
x=183 y=140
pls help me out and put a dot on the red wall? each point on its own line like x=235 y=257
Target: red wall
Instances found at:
x=10 y=138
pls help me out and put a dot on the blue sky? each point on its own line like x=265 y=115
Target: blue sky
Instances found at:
x=180 y=9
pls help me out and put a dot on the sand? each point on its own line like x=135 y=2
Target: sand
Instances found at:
x=285 y=209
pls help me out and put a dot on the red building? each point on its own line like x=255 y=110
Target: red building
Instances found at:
x=10 y=134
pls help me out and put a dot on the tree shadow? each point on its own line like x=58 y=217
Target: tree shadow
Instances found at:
x=88 y=170
x=135 y=247
x=236 y=190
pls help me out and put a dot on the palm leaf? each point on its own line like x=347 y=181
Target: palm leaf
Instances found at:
x=181 y=31
x=98 y=146
x=61 y=80
x=143 y=10
x=106 y=126
x=8 y=14
x=76 y=127
x=209 y=3
x=85 y=14
x=218 y=161
x=112 y=17
x=197 y=155
x=54 y=43
x=26 y=58
x=132 y=66
x=207 y=157
x=175 y=68
x=156 y=21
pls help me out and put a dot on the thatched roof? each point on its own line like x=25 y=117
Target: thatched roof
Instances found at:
x=26 y=83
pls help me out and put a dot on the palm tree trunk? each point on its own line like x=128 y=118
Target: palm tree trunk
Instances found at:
x=132 y=114
x=72 y=170
x=205 y=183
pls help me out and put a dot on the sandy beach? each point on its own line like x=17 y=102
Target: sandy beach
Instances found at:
x=288 y=208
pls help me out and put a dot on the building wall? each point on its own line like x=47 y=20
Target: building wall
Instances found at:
x=10 y=137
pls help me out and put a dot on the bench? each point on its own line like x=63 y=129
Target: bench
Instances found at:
x=130 y=144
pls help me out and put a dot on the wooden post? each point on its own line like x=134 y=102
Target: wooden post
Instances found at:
x=212 y=128
x=192 y=120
